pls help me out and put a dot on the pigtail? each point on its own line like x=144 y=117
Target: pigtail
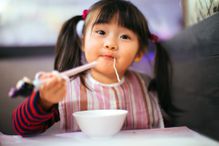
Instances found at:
x=68 y=46
x=163 y=74
x=162 y=83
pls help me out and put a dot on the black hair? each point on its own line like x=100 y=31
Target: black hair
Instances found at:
x=68 y=48
x=162 y=83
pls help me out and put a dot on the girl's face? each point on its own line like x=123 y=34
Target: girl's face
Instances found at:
x=104 y=42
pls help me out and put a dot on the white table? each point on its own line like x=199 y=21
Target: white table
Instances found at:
x=178 y=136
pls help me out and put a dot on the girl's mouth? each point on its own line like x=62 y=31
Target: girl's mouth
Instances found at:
x=107 y=56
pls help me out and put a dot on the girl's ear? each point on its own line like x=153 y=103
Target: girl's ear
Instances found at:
x=139 y=56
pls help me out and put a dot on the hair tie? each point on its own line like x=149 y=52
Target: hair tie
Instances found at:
x=85 y=13
x=79 y=28
x=154 y=38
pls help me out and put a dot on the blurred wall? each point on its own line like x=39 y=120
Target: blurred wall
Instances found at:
x=12 y=70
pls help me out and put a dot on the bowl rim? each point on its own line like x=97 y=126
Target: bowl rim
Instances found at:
x=86 y=112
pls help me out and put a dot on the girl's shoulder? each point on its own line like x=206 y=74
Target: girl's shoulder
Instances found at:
x=142 y=76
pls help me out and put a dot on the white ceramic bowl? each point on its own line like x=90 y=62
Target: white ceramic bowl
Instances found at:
x=100 y=123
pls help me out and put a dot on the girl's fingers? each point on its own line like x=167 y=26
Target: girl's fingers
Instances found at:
x=58 y=87
x=60 y=93
x=56 y=94
x=54 y=82
x=53 y=86
x=46 y=76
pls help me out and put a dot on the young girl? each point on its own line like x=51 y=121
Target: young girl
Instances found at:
x=113 y=30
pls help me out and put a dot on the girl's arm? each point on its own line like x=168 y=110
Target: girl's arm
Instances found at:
x=29 y=118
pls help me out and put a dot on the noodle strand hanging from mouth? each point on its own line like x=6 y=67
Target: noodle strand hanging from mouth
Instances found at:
x=114 y=66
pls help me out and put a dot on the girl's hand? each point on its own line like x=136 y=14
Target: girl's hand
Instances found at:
x=52 y=90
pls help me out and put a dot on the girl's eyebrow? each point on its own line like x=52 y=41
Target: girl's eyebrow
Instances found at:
x=102 y=23
x=95 y=24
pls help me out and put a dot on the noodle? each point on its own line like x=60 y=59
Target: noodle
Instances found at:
x=114 y=66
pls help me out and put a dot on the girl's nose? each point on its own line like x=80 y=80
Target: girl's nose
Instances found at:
x=111 y=45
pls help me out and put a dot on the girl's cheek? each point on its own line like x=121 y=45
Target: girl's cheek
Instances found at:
x=90 y=56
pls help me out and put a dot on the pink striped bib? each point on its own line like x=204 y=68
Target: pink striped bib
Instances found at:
x=130 y=93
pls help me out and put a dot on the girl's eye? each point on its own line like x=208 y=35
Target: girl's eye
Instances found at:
x=100 y=32
x=125 y=37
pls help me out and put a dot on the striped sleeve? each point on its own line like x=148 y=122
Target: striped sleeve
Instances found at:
x=29 y=118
